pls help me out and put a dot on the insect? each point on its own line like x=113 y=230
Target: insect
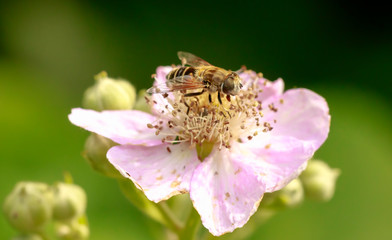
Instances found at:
x=199 y=75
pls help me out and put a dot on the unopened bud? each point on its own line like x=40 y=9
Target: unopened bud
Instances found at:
x=289 y=196
x=74 y=230
x=319 y=180
x=28 y=237
x=96 y=148
x=141 y=103
x=29 y=206
x=292 y=194
x=109 y=94
x=69 y=201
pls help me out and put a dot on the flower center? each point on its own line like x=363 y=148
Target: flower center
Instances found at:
x=205 y=122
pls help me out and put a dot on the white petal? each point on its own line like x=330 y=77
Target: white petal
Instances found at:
x=123 y=127
x=302 y=114
x=160 y=171
x=277 y=160
x=225 y=192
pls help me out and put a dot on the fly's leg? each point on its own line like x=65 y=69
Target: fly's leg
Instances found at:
x=220 y=101
x=186 y=104
x=219 y=98
x=191 y=95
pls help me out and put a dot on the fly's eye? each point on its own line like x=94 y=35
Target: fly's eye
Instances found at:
x=228 y=85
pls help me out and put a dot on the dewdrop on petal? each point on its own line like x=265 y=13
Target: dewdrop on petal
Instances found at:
x=95 y=150
x=28 y=208
x=109 y=94
x=319 y=180
x=69 y=201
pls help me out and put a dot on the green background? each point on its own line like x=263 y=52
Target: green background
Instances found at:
x=50 y=51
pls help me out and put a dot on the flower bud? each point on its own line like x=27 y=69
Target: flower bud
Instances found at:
x=109 y=94
x=141 y=103
x=28 y=237
x=74 y=230
x=29 y=206
x=289 y=196
x=319 y=180
x=95 y=150
x=69 y=201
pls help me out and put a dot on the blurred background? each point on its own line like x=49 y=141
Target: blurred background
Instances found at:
x=50 y=51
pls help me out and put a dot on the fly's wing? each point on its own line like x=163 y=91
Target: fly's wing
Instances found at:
x=177 y=84
x=192 y=60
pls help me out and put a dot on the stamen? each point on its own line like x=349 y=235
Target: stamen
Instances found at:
x=197 y=120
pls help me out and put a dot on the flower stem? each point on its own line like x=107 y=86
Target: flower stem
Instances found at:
x=171 y=220
x=43 y=235
x=160 y=212
x=191 y=226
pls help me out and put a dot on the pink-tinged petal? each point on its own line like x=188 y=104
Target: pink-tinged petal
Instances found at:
x=225 y=191
x=270 y=89
x=160 y=171
x=302 y=114
x=277 y=159
x=161 y=102
x=123 y=127
x=300 y=124
x=161 y=73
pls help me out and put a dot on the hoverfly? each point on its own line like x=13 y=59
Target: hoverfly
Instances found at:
x=199 y=75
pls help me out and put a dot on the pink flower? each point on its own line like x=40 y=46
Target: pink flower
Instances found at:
x=226 y=156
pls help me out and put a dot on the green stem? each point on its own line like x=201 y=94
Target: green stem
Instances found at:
x=160 y=212
x=191 y=226
x=171 y=220
x=43 y=235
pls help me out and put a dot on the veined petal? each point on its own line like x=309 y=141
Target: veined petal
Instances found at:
x=302 y=114
x=269 y=89
x=225 y=192
x=160 y=171
x=159 y=101
x=123 y=127
x=161 y=73
x=300 y=122
x=277 y=160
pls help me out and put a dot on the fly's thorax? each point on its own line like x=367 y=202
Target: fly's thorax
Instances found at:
x=213 y=75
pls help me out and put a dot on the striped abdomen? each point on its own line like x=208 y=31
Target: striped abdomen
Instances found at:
x=180 y=72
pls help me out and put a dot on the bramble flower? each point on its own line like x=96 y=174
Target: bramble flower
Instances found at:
x=225 y=155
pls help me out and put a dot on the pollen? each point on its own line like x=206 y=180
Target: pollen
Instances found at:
x=208 y=120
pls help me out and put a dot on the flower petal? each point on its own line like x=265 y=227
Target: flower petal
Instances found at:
x=302 y=114
x=302 y=125
x=123 y=127
x=161 y=73
x=159 y=101
x=270 y=89
x=225 y=192
x=277 y=160
x=160 y=171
